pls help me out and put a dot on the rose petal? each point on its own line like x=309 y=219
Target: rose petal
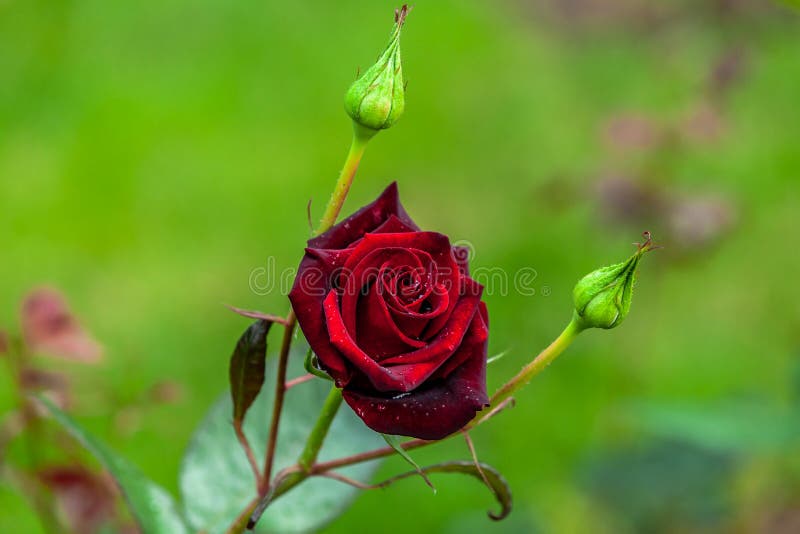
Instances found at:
x=478 y=332
x=410 y=369
x=450 y=336
x=461 y=255
x=364 y=272
x=365 y=220
x=317 y=268
x=376 y=332
x=414 y=323
x=310 y=288
x=435 y=410
x=395 y=225
x=436 y=245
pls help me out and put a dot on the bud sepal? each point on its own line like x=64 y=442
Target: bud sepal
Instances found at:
x=603 y=297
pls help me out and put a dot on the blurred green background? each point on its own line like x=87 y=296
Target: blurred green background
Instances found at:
x=153 y=154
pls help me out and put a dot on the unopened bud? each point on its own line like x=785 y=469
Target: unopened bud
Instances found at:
x=603 y=297
x=377 y=99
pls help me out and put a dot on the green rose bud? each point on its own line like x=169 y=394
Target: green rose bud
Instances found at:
x=603 y=297
x=377 y=99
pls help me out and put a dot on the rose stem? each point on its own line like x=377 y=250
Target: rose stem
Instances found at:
x=239 y=524
x=361 y=137
x=248 y=450
x=539 y=363
x=521 y=379
x=277 y=406
x=320 y=430
x=542 y=360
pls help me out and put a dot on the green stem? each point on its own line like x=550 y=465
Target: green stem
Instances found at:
x=361 y=137
x=358 y=145
x=539 y=363
x=320 y=430
x=239 y=524
x=307 y=465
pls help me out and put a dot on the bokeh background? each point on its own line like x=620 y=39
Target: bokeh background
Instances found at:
x=153 y=154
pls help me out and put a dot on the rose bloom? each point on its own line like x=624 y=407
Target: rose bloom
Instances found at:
x=396 y=321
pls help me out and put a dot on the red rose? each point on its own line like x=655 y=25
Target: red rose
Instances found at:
x=395 y=319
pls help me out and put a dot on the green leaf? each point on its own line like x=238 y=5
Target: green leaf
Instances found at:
x=720 y=426
x=497 y=484
x=312 y=366
x=216 y=481
x=247 y=366
x=153 y=507
x=395 y=442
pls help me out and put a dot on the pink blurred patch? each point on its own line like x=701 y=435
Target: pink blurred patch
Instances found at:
x=166 y=392
x=86 y=500
x=631 y=131
x=50 y=328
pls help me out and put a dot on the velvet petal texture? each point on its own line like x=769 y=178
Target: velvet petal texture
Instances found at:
x=439 y=408
x=394 y=318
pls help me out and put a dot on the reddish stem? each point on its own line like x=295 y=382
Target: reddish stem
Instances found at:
x=251 y=457
x=369 y=455
x=277 y=408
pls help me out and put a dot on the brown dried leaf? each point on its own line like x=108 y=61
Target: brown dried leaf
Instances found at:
x=49 y=327
x=86 y=500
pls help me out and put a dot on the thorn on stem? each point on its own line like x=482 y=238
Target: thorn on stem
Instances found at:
x=297 y=381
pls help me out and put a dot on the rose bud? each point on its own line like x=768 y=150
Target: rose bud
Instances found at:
x=377 y=99
x=396 y=321
x=603 y=297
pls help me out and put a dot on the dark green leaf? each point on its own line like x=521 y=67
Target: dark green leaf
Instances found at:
x=497 y=484
x=151 y=506
x=216 y=481
x=247 y=368
x=734 y=426
x=394 y=442
x=662 y=485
